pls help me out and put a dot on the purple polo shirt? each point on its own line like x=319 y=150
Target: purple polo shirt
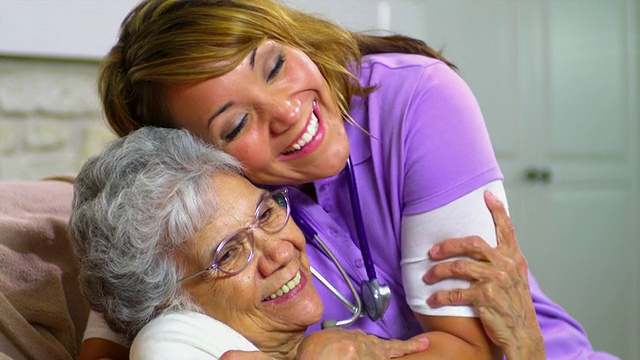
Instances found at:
x=427 y=146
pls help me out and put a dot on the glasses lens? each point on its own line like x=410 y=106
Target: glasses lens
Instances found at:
x=234 y=255
x=273 y=212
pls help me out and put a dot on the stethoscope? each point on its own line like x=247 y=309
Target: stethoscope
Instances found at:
x=375 y=297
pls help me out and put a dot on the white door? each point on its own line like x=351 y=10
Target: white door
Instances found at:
x=557 y=81
x=580 y=221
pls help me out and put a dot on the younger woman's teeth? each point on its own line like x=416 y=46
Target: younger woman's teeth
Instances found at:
x=310 y=132
x=286 y=287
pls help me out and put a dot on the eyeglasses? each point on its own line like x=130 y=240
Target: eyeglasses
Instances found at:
x=235 y=252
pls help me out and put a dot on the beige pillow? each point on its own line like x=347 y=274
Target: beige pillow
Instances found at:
x=43 y=312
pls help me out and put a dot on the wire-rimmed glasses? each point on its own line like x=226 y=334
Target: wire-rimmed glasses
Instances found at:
x=235 y=252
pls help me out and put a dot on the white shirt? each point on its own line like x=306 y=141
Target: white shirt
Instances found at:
x=186 y=335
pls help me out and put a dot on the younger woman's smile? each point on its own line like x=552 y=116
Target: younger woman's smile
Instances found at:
x=310 y=138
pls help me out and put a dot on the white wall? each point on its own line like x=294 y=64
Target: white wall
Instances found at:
x=61 y=28
x=50 y=121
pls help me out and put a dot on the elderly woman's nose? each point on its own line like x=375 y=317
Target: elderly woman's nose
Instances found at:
x=284 y=113
x=274 y=253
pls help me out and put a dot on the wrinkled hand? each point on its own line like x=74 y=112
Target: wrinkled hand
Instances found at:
x=349 y=344
x=499 y=288
x=244 y=355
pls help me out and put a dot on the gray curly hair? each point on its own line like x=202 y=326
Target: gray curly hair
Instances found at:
x=134 y=206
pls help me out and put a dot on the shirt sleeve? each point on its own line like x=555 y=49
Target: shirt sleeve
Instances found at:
x=447 y=148
x=449 y=163
x=186 y=335
x=97 y=328
x=465 y=216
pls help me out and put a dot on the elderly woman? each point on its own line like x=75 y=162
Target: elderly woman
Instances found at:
x=172 y=240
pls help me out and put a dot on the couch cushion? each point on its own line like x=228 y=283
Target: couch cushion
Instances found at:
x=43 y=311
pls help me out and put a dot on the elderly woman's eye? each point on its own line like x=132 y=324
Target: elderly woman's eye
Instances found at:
x=273 y=218
x=230 y=253
x=226 y=255
x=266 y=214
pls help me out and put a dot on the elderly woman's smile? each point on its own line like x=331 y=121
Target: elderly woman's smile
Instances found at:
x=289 y=289
x=257 y=271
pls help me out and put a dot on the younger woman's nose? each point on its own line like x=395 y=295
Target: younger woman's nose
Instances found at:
x=284 y=113
x=273 y=252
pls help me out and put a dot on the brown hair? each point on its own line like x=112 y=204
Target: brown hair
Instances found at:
x=177 y=41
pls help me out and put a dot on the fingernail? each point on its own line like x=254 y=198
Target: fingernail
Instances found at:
x=491 y=195
x=435 y=249
x=427 y=278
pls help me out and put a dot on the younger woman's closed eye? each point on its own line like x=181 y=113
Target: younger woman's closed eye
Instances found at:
x=233 y=134
x=277 y=66
x=275 y=70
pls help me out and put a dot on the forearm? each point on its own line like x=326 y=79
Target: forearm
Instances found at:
x=338 y=343
x=452 y=337
x=444 y=345
x=95 y=348
x=100 y=342
x=526 y=347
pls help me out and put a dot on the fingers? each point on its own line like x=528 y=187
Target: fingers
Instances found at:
x=399 y=348
x=494 y=204
x=475 y=247
x=489 y=280
x=505 y=233
x=472 y=246
x=467 y=270
x=451 y=297
x=478 y=296
x=504 y=227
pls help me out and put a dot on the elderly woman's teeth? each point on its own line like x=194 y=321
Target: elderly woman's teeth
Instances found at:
x=286 y=287
x=310 y=132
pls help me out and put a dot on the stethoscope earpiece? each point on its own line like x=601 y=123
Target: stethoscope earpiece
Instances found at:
x=328 y=324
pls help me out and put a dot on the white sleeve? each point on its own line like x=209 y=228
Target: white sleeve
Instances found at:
x=186 y=335
x=465 y=216
x=97 y=328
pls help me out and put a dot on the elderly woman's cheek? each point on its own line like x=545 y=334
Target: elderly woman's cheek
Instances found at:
x=313 y=306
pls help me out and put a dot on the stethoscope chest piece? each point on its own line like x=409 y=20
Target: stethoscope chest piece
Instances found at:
x=376 y=298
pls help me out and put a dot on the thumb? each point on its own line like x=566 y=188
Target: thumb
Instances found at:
x=399 y=348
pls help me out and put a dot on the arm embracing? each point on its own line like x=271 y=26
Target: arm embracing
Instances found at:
x=344 y=344
x=100 y=342
x=500 y=289
x=450 y=161
x=453 y=330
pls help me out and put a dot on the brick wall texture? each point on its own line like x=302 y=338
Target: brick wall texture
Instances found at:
x=50 y=118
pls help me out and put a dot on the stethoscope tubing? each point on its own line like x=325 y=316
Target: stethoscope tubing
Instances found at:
x=359 y=222
x=356 y=308
x=333 y=290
